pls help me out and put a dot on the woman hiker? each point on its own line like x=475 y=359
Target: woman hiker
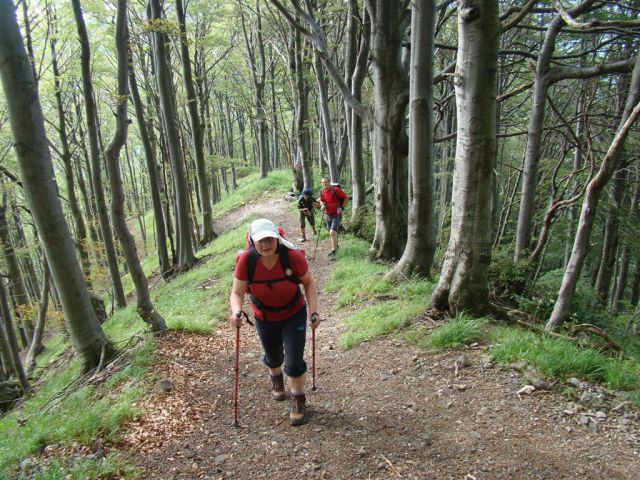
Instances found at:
x=270 y=271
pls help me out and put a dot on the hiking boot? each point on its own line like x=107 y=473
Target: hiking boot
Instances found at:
x=277 y=387
x=296 y=414
x=302 y=239
x=332 y=255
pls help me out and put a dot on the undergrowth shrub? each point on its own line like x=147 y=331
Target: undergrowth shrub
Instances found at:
x=507 y=278
x=540 y=297
x=458 y=332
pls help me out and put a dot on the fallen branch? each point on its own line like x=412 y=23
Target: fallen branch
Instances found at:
x=587 y=327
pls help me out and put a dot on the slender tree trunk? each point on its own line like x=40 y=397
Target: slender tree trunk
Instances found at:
x=562 y=307
x=196 y=131
x=418 y=253
x=325 y=116
x=634 y=214
x=185 y=255
x=69 y=174
x=10 y=337
x=14 y=275
x=36 y=171
x=144 y=306
x=534 y=139
x=42 y=317
x=358 y=192
x=156 y=200
x=96 y=177
x=463 y=281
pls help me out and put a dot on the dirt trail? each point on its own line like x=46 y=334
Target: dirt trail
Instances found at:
x=382 y=410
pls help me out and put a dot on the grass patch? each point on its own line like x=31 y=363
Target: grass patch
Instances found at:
x=458 y=332
x=558 y=358
x=383 y=306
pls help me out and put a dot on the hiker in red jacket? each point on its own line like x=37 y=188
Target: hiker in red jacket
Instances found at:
x=270 y=272
x=332 y=202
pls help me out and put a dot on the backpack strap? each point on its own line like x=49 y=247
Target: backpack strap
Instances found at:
x=285 y=262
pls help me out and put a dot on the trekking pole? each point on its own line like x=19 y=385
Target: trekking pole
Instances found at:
x=318 y=235
x=235 y=396
x=314 y=319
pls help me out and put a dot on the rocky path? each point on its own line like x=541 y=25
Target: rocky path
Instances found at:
x=382 y=410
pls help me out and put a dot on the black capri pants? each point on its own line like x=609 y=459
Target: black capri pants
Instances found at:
x=284 y=341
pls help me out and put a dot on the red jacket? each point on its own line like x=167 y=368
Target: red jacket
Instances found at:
x=333 y=198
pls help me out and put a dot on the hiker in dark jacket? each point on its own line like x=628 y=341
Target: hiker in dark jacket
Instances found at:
x=306 y=204
x=279 y=308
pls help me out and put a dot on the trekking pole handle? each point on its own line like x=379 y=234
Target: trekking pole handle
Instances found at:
x=314 y=317
x=240 y=313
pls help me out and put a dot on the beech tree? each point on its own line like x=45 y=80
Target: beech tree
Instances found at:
x=36 y=172
x=463 y=280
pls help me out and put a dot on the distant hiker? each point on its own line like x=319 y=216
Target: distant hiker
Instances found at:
x=271 y=271
x=306 y=204
x=332 y=202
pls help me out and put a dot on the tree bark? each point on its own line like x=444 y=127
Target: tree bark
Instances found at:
x=463 y=280
x=388 y=22
x=36 y=171
x=9 y=334
x=30 y=362
x=418 y=253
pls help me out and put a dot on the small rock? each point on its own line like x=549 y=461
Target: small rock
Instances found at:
x=519 y=365
x=362 y=451
x=475 y=435
x=526 y=390
x=600 y=415
x=220 y=458
x=584 y=420
x=163 y=386
x=460 y=386
x=463 y=361
x=574 y=382
x=483 y=411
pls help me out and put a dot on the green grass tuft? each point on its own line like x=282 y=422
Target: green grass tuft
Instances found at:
x=558 y=358
x=458 y=332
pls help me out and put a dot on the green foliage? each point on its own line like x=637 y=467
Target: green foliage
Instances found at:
x=382 y=306
x=363 y=225
x=540 y=297
x=458 y=332
x=558 y=358
x=507 y=277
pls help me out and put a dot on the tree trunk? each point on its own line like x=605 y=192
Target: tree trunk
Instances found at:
x=634 y=215
x=389 y=139
x=418 y=253
x=463 y=280
x=36 y=169
x=325 y=116
x=42 y=317
x=196 y=131
x=9 y=333
x=69 y=174
x=156 y=199
x=96 y=176
x=562 y=307
x=358 y=190
x=144 y=306
x=14 y=275
x=611 y=237
x=534 y=139
x=185 y=255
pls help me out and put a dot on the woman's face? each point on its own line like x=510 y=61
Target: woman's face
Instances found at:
x=267 y=246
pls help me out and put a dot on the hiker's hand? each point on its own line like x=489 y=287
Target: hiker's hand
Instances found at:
x=339 y=210
x=322 y=206
x=235 y=320
x=314 y=320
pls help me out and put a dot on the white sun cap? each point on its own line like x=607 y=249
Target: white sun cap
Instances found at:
x=265 y=228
